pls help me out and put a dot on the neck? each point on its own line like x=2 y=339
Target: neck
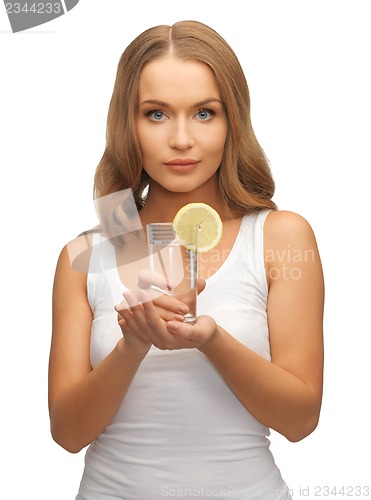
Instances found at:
x=162 y=205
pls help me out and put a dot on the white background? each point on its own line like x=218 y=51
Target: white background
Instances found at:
x=307 y=64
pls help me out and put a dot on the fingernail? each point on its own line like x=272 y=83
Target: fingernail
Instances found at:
x=178 y=317
x=183 y=308
x=172 y=327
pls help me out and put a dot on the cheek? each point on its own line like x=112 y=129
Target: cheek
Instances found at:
x=148 y=140
x=215 y=142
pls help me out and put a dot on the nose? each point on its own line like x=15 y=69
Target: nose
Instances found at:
x=181 y=136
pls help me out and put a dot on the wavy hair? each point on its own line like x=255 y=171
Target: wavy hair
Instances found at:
x=245 y=180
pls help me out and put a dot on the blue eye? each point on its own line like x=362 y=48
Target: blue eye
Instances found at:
x=155 y=115
x=205 y=114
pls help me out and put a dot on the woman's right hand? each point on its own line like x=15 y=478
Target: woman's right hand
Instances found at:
x=134 y=342
x=138 y=329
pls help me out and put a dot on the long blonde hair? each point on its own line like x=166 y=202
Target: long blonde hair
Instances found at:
x=245 y=180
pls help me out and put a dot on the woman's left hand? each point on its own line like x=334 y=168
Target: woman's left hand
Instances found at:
x=142 y=318
x=196 y=335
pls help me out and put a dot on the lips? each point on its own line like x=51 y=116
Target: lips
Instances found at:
x=182 y=161
x=182 y=165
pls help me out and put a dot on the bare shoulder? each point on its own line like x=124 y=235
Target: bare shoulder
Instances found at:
x=282 y=226
x=287 y=223
x=77 y=252
x=71 y=271
x=290 y=248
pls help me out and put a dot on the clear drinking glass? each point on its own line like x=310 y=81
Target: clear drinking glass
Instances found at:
x=176 y=263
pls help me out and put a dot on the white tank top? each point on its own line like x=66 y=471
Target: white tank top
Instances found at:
x=180 y=431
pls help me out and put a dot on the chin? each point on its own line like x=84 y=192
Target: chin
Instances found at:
x=181 y=187
x=184 y=184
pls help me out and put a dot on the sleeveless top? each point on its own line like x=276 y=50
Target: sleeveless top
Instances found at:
x=180 y=431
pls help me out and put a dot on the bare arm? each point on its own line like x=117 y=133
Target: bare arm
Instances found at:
x=284 y=394
x=82 y=401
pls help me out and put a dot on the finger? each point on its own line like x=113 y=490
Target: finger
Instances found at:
x=124 y=314
x=146 y=301
x=171 y=303
x=154 y=293
x=183 y=335
x=122 y=322
x=184 y=330
x=201 y=284
x=152 y=308
x=126 y=329
x=148 y=278
x=141 y=322
x=164 y=301
x=121 y=306
x=132 y=301
x=129 y=324
x=160 y=335
x=167 y=315
x=149 y=308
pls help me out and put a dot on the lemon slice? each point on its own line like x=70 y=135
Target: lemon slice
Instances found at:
x=198 y=227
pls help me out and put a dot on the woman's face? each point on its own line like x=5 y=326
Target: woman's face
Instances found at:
x=181 y=123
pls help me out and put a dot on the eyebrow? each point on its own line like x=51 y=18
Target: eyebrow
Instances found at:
x=166 y=105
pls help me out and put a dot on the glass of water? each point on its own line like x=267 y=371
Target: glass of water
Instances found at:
x=176 y=263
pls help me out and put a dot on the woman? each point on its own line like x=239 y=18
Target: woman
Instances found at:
x=169 y=408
